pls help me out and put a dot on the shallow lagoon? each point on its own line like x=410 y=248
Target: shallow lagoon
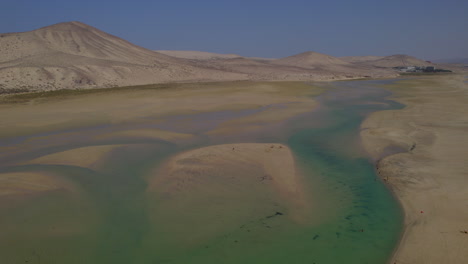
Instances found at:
x=111 y=218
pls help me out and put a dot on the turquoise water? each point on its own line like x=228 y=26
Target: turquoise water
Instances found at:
x=367 y=226
x=354 y=219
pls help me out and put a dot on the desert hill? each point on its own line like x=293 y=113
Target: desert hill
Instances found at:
x=74 y=55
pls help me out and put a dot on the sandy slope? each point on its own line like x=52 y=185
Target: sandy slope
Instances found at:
x=430 y=175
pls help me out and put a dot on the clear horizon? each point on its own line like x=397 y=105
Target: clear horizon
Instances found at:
x=428 y=30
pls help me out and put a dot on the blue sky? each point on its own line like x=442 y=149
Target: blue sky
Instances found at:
x=427 y=29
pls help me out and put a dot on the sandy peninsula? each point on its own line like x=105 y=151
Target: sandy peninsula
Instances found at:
x=429 y=174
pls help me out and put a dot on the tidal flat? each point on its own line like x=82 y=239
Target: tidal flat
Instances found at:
x=239 y=172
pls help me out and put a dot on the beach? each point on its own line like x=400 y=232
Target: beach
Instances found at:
x=420 y=153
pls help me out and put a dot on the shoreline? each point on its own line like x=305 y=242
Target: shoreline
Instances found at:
x=427 y=179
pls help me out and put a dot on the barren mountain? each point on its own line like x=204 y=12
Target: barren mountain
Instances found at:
x=73 y=55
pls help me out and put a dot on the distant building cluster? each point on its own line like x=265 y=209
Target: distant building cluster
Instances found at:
x=419 y=69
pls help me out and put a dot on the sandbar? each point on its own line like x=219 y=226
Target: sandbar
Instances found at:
x=239 y=182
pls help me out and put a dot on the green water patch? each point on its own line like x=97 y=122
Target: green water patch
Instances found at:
x=367 y=225
x=353 y=217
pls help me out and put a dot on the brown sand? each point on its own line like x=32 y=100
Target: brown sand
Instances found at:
x=430 y=177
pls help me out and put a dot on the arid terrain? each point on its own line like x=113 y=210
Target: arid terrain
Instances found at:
x=74 y=55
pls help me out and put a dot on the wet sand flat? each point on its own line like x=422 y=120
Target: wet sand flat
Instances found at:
x=429 y=175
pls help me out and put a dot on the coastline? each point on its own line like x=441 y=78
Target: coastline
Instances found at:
x=419 y=152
